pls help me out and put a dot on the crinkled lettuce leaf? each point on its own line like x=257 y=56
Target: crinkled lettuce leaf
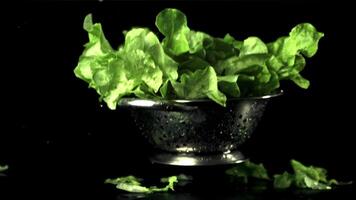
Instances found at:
x=202 y=83
x=247 y=170
x=228 y=85
x=304 y=177
x=172 y=23
x=139 y=67
x=134 y=185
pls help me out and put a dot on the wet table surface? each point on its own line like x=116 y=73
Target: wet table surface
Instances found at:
x=207 y=183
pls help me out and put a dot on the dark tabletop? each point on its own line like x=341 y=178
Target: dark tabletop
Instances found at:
x=59 y=142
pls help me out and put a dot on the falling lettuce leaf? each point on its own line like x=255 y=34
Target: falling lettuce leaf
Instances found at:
x=191 y=64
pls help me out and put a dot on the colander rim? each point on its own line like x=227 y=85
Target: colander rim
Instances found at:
x=267 y=96
x=184 y=104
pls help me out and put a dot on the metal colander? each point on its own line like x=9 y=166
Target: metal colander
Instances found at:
x=197 y=126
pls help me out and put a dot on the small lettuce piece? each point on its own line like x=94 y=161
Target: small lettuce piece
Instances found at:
x=3 y=168
x=133 y=184
x=172 y=180
x=248 y=169
x=283 y=181
x=202 y=83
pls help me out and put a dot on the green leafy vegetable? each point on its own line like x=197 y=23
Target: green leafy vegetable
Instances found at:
x=248 y=169
x=172 y=23
x=311 y=177
x=133 y=184
x=3 y=168
x=303 y=177
x=192 y=64
x=199 y=84
x=283 y=181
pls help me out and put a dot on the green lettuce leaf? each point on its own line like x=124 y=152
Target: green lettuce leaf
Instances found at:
x=304 y=177
x=248 y=169
x=3 y=168
x=287 y=59
x=139 y=67
x=200 y=84
x=310 y=177
x=172 y=23
x=231 y=40
x=253 y=45
x=228 y=85
x=133 y=184
x=282 y=181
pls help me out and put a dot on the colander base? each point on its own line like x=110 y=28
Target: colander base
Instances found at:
x=191 y=159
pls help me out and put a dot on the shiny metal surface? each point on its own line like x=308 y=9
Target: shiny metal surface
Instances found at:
x=197 y=127
x=191 y=159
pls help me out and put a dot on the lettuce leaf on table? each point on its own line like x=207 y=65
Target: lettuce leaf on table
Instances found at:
x=3 y=168
x=303 y=176
x=133 y=184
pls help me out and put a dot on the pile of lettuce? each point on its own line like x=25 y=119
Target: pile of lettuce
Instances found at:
x=189 y=64
x=303 y=176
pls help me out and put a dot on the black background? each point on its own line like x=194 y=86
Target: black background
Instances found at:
x=56 y=135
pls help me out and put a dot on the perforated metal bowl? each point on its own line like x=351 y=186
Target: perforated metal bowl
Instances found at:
x=197 y=126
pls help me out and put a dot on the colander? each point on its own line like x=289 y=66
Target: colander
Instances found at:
x=197 y=132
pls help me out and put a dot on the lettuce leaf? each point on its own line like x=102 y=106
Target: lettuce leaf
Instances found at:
x=202 y=83
x=247 y=170
x=303 y=177
x=3 y=168
x=133 y=184
x=172 y=23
